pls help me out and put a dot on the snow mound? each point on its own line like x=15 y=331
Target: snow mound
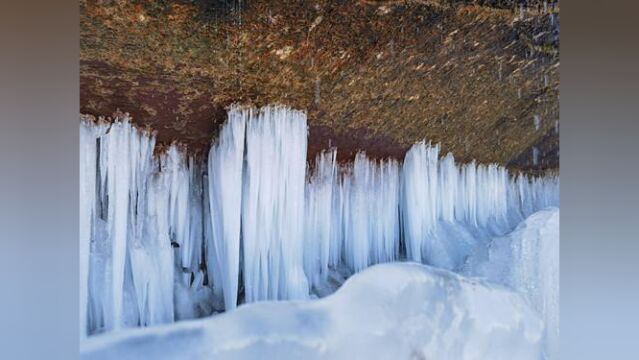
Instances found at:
x=527 y=260
x=388 y=311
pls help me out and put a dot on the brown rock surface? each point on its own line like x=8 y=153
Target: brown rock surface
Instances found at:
x=373 y=75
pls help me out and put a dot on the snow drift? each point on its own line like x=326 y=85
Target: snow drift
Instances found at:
x=389 y=311
x=527 y=260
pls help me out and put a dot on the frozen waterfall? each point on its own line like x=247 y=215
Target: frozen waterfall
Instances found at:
x=169 y=236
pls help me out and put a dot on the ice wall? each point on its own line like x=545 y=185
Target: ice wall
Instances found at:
x=167 y=237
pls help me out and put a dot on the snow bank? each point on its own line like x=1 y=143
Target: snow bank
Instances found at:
x=389 y=311
x=527 y=260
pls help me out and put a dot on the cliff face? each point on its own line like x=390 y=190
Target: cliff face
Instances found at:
x=373 y=75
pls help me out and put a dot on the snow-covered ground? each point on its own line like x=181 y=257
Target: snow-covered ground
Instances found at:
x=388 y=311
x=527 y=260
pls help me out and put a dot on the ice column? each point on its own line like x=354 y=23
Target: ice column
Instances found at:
x=419 y=203
x=273 y=204
x=319 y=223
x=174 y=164
x=152 y=259
x=386 y=219
x=359 y=236
x=118 y=185
x=196 y=215
x=371 y=222
x=226 y=159
x=89 y=133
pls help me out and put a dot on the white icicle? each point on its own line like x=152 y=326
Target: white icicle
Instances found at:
x=420 y=202
x=319 y=222
x=225 y=163
x=273 y=204
x=174 y=163
x=196 y=225
x=89 y=134
x=152 y=257
x=118 y=184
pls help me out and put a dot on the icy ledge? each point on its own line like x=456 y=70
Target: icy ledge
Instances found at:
x=388 y=311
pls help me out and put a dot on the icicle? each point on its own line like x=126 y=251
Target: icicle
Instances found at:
x=152 y=257
x=369 y=199
x=273 y=204
x=420 y=215
x=196 y=225
x=225 y=191
x=386 y=198
x=89 y=134
x=337 y=220
x=359 y=237
x=174 y=163
x=213 y=270
x=118 y=184
x=449 y=180
x=319 y=222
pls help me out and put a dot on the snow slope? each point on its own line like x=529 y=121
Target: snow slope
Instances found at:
x=387 y=311
x=527 y=260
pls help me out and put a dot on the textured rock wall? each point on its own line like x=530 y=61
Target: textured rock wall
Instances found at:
x=373 y=75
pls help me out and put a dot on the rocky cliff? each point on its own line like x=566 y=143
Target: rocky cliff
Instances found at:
x=481 y=78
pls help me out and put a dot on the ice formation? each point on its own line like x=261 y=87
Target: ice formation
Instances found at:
x=273 y=205
x=225 y=163
x=135 y=207
x=89 y=134
x=388 y=311
x=169 y=237
x=447 y=208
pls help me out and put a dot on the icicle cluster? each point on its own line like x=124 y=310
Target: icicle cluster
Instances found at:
x=169 y=237
x=351 y=215
x=142 y=230
x=477 y=200
x=273 y=205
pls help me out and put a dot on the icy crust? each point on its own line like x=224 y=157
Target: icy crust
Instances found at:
x=388 y=311
x=527 y=260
